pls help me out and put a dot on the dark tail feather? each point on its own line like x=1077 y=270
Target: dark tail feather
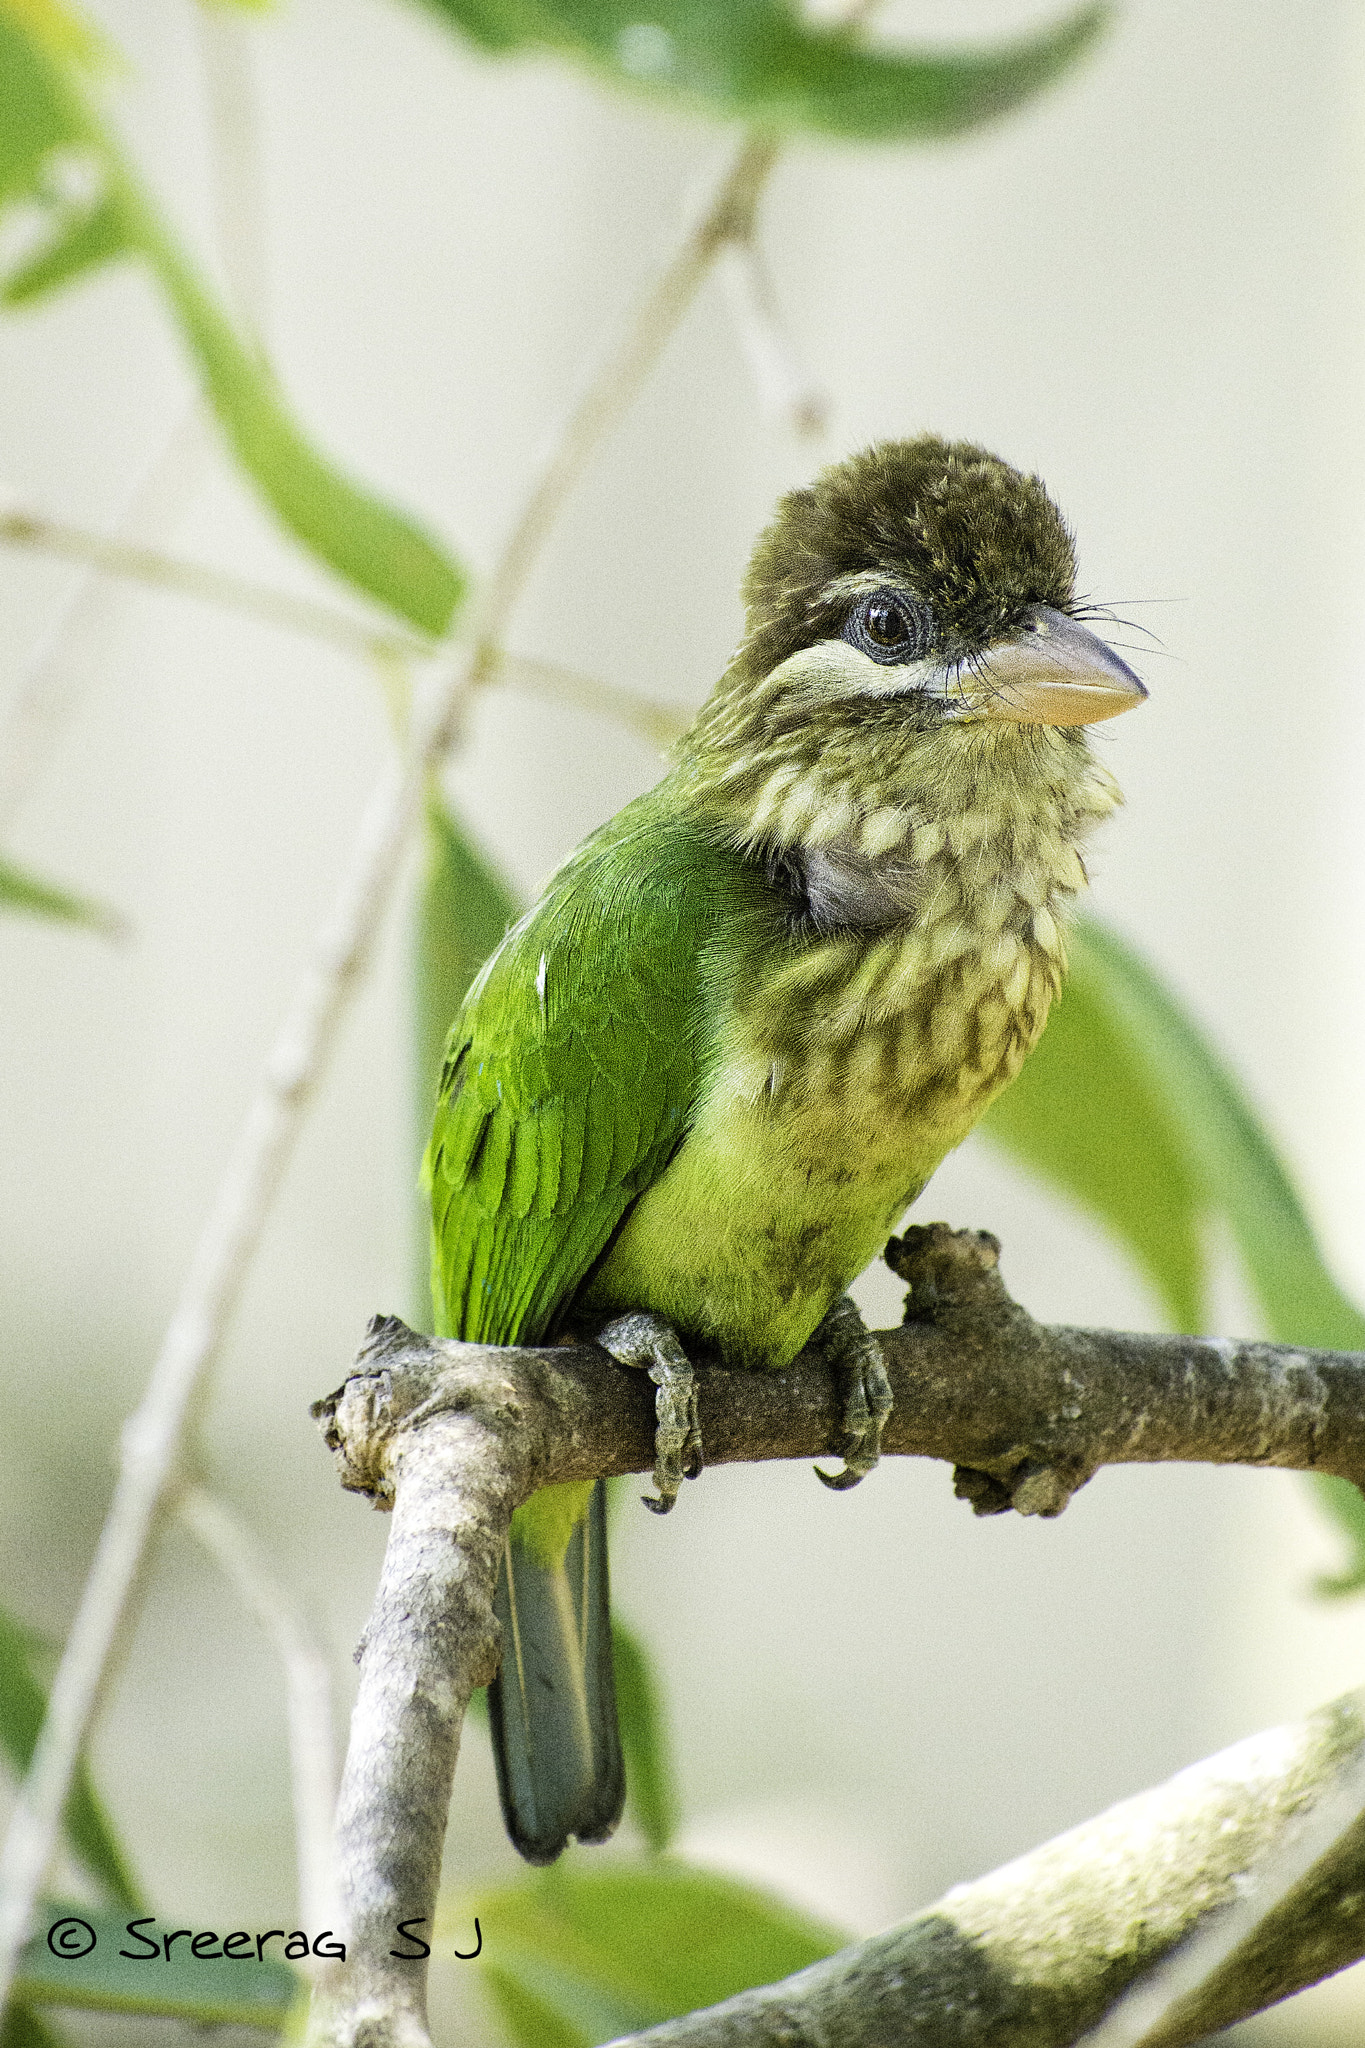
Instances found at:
x=552 y=1707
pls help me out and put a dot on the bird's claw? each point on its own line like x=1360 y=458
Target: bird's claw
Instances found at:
x=643 y=1339
x=850 y=1347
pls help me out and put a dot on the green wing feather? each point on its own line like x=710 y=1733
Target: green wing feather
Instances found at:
x=571 y=1075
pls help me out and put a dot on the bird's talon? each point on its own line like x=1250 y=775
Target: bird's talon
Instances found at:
x=838 y=1482
x=643 y=1339
x=856 y=1356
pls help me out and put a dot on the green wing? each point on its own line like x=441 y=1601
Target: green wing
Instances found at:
x=571 y=1074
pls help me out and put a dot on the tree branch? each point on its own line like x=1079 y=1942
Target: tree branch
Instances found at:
x=453 y=1436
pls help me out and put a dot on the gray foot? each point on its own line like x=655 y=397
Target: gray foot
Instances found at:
x=850 y=1347
x=643 y=1339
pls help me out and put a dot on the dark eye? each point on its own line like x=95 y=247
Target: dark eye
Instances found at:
x=888 y=626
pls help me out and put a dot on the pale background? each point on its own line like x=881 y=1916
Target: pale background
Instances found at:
x=1148 y=287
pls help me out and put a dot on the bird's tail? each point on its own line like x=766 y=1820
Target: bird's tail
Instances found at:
x=552 y=1707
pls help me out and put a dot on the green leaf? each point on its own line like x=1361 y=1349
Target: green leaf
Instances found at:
x=23 y=1702
x=57 y=154
x=1249 y=1185
x=1126 y=1105
x=379 y=550
x=650 y=1785
x=1086 y=1115
x=81 y=239
x=758 y=61
x=577 y=1955
x=20 y=890
x=1227 y=1147
x=21 y=2028
x=206 y=1990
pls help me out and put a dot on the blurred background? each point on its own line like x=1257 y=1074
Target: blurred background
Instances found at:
x=1148 y=287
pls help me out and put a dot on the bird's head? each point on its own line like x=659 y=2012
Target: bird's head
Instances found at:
x=909 y=618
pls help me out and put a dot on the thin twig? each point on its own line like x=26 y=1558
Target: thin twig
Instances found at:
x=661 y=723
x=726 y=216
x=391 y=651
x=785 y=391
x=21 y=527
x=48 y=694
x=308 y=1692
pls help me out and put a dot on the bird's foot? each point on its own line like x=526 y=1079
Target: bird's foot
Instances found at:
x=850 y=1347
x=643 y=1339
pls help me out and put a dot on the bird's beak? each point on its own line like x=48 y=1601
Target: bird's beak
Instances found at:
x=1055 y=672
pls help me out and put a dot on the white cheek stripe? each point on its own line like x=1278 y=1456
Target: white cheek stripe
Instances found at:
x=813 y=671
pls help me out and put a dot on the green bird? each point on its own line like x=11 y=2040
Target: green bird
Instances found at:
x=700 y=1081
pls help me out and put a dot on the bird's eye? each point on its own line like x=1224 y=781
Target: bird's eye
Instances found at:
x=886 y=623
x=888 y=626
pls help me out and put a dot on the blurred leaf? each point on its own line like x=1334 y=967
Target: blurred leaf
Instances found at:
x=577 y=1955
x=1344 y=1505
x=1247 y=1182
x=204 y=1989
x=81 y=240
x=757 y=61
x=1086 y=1115
x=1227 y=1149
x=1134 y=1113
x=57 y=154
x=23 y=1702
x=22 y=2028
x=22 y=891
x=63 y=32
x=649 y=1767
x=379 y=550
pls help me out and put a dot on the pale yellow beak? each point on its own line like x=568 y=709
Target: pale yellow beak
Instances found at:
x=1055 y=672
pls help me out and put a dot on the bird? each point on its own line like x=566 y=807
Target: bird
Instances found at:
x=699 y=1082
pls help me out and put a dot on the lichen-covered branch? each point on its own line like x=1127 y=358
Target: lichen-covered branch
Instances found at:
x=1034 y=1954
x=452 y=1437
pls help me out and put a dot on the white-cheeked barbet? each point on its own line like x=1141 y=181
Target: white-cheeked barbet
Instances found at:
x=699 y=1082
